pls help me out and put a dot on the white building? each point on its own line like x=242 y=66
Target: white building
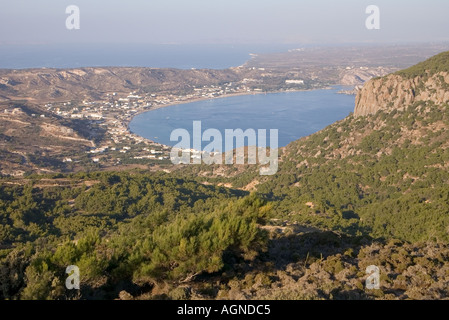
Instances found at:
x=294 y=81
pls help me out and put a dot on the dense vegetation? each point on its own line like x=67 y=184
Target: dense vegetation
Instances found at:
x=364 y=191
x=367 y=190
x=136 y=235
x=384 y=176
x=121 y=229
x=392 y=181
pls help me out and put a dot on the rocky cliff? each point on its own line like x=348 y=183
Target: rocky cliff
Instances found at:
x=427 y=81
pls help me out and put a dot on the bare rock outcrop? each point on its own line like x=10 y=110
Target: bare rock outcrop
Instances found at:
x=395 y=92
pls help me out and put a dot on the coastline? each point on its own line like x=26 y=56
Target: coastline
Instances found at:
x=128 y=120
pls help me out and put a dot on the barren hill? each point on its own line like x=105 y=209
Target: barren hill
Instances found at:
x=45 y=85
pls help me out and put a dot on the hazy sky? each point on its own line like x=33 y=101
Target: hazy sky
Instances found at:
x=224 y=21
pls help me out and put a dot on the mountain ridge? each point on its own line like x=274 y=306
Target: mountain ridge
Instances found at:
x=426 y=81
x=59 y=85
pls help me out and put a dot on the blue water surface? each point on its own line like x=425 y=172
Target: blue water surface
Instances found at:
x=294 y=114
x=130 y=55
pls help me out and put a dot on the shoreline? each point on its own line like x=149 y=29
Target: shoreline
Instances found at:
x=128 y=120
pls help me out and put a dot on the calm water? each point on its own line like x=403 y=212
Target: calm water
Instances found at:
x=294 y=114
x=130 y=55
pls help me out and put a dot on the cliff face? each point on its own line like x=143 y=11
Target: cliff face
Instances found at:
x=426 y=81
x=397 y=92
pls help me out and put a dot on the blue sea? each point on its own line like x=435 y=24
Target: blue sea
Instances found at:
x=131 y=55
x=294 y=114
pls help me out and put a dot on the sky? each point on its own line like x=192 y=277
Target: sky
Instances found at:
x=222 y=22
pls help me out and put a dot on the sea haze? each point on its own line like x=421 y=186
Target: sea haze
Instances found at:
x=130 y=55
x=294 y=114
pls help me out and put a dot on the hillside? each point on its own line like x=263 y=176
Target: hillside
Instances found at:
x=371 y=189
x=58 y=85
x=426 y=81
x=384 y=174
x=378 y=178
x=34 y=140
x=434 y=65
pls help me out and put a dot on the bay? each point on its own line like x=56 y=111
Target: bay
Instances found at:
x=294 y=114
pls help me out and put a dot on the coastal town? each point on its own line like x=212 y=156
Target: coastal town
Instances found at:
x=114 y=113
x=78 y=119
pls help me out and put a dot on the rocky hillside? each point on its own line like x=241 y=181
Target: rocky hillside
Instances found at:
x=384 y=175
x=427 y=81
x=377 y=179
x=32 y=140
x=50 y=85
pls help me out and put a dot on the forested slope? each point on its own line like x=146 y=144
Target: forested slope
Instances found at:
x=368 y=190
